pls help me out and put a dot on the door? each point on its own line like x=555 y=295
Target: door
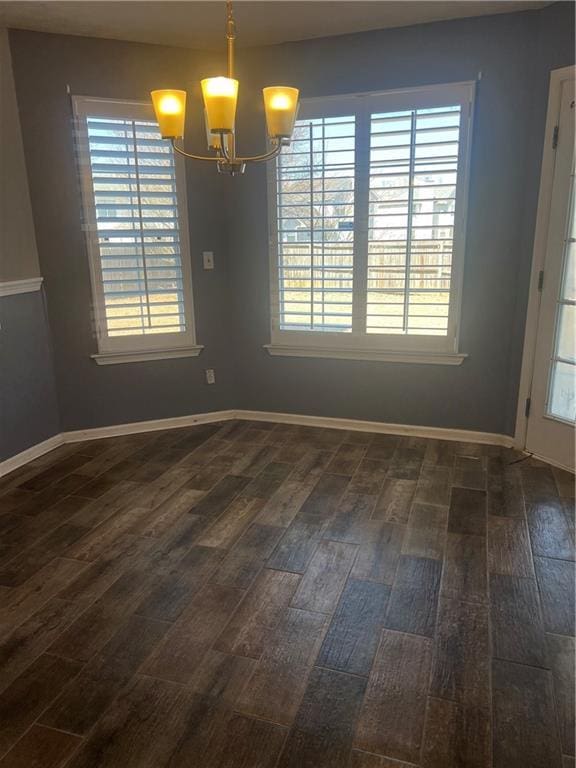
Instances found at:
x=552 y=400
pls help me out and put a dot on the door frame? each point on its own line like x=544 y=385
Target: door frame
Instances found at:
x=557 y=77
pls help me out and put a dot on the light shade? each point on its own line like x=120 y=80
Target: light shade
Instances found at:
x=281 y=105
x=170 y=109
x=220 y=97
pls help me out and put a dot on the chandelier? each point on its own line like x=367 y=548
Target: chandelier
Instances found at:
x=220 y=96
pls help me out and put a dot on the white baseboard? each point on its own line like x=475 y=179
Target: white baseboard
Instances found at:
x=356 y=425
x=15 y=462
x=137 y=427
x=551 y=462
x=463 y=435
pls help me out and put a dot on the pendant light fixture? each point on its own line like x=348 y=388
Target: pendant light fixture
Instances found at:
x=220 y=96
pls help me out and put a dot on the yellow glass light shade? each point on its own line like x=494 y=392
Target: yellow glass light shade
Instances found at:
x=170 y=109
x=281 y=105
x=220 y=98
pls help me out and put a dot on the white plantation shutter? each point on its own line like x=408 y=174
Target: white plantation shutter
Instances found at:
x=135 y=228
x=315 y=215
x=134 y=187
x=413 y=177
x=367 y=222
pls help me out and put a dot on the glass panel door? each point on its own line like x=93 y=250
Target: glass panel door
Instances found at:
x=552 y=414
x=561 y=401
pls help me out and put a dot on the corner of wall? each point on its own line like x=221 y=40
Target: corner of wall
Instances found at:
x=29 y=410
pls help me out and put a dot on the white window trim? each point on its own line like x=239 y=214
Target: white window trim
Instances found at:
x=443 y=350
x=342 y=353
x=127 y=349
x=113 y=358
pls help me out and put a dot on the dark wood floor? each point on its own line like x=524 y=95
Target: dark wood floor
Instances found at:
x=251 y=595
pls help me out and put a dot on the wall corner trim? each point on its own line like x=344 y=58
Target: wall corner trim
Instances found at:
x=77 y=436
x=13 y=287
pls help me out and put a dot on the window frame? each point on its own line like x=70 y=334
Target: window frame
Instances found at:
x=355 y=345
x=123 y=349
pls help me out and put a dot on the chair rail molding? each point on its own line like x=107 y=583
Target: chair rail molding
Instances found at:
x=27 y=285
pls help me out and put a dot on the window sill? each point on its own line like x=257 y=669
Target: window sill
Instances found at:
x=113 y=358
x=421 y=358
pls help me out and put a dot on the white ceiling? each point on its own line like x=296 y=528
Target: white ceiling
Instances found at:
x=201 y=24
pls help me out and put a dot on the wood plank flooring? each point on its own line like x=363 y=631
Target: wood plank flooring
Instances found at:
x=259 y=595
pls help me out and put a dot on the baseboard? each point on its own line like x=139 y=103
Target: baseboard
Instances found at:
x=551 y=462
x=463 y=435
x=356 y=425
x=34 y=452
x=156 y=425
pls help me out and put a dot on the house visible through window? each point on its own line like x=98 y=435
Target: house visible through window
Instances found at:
x=135 y=220
x=316 y=226
x=367 y=222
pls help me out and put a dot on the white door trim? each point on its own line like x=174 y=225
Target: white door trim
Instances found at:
x=557 y=77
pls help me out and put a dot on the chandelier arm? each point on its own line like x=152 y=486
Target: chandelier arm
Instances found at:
x=180 y=151
x=223 y=149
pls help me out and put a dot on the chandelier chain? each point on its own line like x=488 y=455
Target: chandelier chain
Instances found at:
x=230 y=36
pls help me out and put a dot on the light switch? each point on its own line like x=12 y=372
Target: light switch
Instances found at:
x=208 y=259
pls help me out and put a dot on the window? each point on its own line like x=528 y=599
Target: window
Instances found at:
x=367 y=222
x=137 y=234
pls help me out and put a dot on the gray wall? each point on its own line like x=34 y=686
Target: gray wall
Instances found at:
x=18 y=254
x=91 y=395
x=28 y=404
x=514 y=53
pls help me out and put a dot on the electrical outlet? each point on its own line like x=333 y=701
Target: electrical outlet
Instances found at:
x=210 y=376
x=208 y=259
